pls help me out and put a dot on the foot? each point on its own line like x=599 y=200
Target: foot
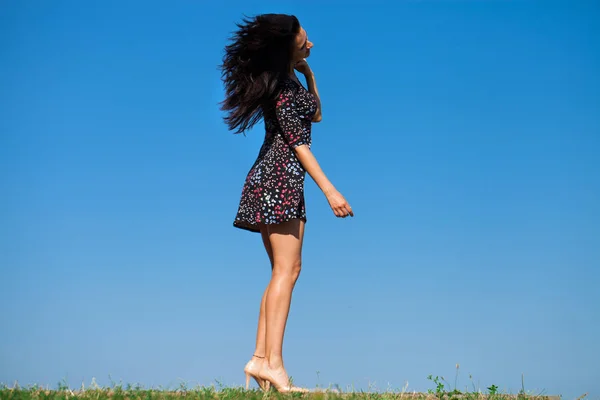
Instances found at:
x=252 y=369
x=278 y=378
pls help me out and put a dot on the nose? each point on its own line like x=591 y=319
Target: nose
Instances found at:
x=309 y=45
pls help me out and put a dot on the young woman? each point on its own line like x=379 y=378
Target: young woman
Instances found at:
x=258 y=71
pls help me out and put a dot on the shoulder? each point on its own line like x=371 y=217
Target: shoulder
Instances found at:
x=288 y=85
x=288 y=91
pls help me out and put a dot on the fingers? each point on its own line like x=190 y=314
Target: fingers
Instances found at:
x=343 y=211
x=339 y=205
x=350 y=212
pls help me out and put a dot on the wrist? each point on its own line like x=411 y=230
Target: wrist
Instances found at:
x=327 y=190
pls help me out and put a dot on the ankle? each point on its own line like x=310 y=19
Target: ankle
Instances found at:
x=257 y=356
x=274 y=362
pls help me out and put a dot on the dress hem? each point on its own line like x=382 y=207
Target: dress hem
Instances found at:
x=254 y=227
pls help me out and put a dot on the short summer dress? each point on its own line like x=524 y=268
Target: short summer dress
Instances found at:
x=273 y=191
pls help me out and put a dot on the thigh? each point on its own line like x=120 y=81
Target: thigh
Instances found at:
x=264 y=233
x=286 y=242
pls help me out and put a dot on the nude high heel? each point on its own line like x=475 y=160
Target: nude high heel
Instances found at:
x=251 y=370
x=279 y=380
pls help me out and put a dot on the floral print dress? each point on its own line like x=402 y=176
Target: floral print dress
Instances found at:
x=273 y=191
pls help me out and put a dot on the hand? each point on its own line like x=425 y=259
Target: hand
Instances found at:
x=339 y=205
x=303 y=67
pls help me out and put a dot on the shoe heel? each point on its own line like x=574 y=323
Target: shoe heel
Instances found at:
x=247 y=380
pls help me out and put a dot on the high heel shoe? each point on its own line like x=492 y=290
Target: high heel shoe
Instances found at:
x=278 y=379
x=251 y=370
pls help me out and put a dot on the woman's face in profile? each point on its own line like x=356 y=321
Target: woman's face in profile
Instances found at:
x=302 y=46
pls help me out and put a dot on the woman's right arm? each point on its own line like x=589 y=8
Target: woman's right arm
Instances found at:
x=293 y=133
x=337 y=202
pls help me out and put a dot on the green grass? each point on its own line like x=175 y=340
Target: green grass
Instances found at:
x=441 y=390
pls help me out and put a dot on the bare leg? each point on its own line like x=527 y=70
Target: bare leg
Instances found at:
x=253 y=366
x=286 y=243
x=262 y=321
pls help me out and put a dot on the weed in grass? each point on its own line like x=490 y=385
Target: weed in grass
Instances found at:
x=442 y=390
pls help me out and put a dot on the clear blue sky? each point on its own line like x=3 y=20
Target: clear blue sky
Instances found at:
x=465 y=135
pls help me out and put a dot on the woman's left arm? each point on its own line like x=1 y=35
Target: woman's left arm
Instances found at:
x=312 y=88
x=311 y=83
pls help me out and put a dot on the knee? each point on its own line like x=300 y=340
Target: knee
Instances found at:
x=288 y=269
x=296 y=268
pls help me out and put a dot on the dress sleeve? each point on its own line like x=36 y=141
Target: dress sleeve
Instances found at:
x=287 y=116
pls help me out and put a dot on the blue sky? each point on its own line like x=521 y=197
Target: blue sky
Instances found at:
x=465 y=135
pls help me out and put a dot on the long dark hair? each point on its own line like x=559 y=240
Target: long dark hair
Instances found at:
x=253 y=65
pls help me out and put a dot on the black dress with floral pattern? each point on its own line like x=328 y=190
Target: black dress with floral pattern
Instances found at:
x=273 y=191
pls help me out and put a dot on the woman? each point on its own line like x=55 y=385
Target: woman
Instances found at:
x=260 y=82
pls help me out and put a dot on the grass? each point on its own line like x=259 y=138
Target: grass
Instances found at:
x=441 y=390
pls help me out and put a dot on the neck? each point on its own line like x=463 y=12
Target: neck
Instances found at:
x=291 y=70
